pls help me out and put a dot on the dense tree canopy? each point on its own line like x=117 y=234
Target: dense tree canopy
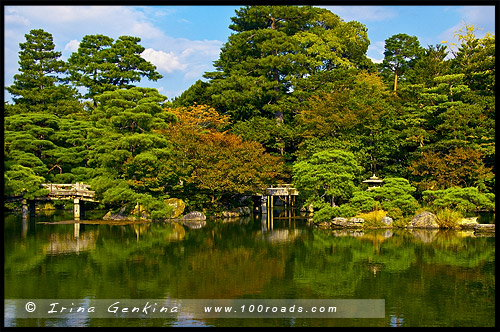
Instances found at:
x=272 y=49
x=293 y=99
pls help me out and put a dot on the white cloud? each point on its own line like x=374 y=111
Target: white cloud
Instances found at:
x=196 y=72
x=210 y=48
x=376 y=60
x=113 y=21
x=165 y=62
x=14 y=19
x=181 y=61
x=72 y=46
x=376 y=51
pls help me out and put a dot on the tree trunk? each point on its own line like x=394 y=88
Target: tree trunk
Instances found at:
x=332 y=202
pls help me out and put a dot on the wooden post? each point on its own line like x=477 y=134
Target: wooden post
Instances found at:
x=76 y=208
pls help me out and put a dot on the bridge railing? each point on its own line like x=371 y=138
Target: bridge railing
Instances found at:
x=69 y=190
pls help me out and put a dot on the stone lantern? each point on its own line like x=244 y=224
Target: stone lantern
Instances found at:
x=373 y=182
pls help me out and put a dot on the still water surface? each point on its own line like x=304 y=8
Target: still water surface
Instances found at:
x=427 y=278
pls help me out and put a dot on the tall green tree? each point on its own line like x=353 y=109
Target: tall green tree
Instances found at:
x=37 y=87
x=352 y=113
x=102 y=64
x=126 y=152
x=431 y=64
x=401 y=51
x=447 y=136
x=272 y=48
x=474 y=58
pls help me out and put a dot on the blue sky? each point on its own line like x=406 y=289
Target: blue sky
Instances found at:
x=183 y=41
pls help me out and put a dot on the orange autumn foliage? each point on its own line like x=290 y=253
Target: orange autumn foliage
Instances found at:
x=459 y=167
x=219 y=162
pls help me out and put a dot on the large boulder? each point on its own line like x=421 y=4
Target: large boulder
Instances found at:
x=344 y=223
x=357 y=220
x=387 y=220
x=195 y=215
x=116 y=216
x=425 y=219
x=194 y=220
x=178 y=206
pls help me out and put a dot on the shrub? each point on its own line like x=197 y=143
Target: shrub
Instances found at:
x=447 y=218
x=460 y=199
x=373 y=218
x=327 y=213
x=396 y=193
x=395 y=213
x=363 y=201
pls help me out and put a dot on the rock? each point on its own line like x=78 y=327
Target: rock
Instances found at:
x=194 y=220
x=339 y=221
x=425 y=219
x=387 y=220
x=244 y=211
x=468 y=223
x=238 y=212
x=195 y=215
x=344 y=223
x=178 y=206
x=116 y=216
x=487 y=228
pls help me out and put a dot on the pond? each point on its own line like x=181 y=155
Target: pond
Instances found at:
x=426 y=278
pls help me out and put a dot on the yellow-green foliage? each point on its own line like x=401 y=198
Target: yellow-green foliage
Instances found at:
x=373 y=218
x=447 y=218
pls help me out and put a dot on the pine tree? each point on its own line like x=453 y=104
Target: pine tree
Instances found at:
x=37 y=87
x=102 y=64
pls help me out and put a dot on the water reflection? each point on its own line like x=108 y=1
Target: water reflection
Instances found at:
x=427 y=277
x=71 y=243
x=397 y=320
